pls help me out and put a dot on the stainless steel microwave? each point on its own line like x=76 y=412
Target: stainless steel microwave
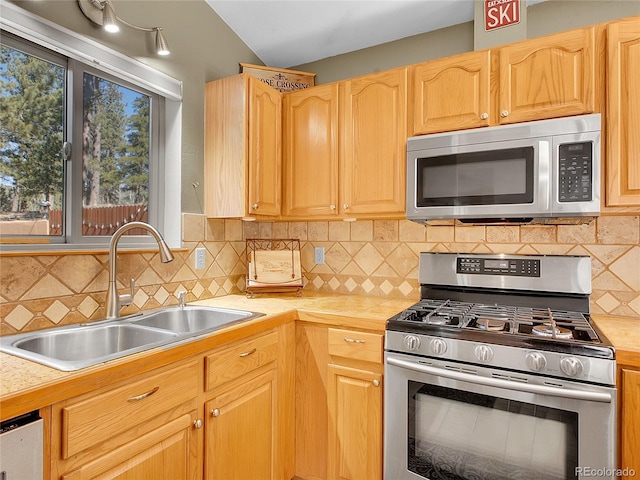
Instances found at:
x=513 y=173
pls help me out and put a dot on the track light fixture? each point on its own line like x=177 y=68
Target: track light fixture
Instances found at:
x=101 y=12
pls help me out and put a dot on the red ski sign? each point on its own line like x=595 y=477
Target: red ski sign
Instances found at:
x=501 y=13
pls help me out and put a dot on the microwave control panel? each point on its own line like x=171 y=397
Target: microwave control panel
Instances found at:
x=575 y=175
x=512 y=267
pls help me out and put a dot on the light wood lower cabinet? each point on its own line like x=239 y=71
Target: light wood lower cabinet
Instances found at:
x=338 y=403
x=163 y=453
x=629 y=411
x=249 y=408
x=355 y=426
x=241 y=431
x=137 y=428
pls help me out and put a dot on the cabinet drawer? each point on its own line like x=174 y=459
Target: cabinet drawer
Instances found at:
x=239 y=358
x=88 y=422
x=355 y=345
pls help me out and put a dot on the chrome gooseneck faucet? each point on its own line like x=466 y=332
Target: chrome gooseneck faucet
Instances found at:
x=114 y=299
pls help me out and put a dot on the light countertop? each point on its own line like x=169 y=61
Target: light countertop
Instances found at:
x=20 y=377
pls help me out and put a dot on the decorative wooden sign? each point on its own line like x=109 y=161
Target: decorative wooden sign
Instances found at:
x=279 y=78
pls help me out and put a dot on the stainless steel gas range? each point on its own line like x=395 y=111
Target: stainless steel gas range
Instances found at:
x=498 y=373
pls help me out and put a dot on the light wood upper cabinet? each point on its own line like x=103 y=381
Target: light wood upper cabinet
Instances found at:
x=452 y=93
x=623 y=114
x=345 y=148
x=243 y=148
x=310 y=137
x=547 y=77
x=373 y=135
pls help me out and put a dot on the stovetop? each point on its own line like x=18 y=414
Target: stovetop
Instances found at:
x=500 y=319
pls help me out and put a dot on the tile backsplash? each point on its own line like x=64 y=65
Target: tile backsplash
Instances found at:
x=368 y=257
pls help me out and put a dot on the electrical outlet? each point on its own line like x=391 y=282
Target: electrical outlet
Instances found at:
x=200 y=258
x=319 y=255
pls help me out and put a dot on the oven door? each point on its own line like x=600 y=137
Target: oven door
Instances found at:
x=445 y=420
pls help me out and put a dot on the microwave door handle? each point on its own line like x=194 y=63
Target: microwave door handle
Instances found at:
x=499 y=383
x=544 y=174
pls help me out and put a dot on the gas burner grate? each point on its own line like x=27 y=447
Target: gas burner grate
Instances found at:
x=503 y=319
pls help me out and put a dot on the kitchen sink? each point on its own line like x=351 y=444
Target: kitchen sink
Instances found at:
x=192 y=319
x=78 y=346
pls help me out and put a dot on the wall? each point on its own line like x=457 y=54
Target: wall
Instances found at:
x=543 y=18
x=368 y=257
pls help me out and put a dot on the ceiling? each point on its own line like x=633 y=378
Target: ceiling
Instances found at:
x=286 y=33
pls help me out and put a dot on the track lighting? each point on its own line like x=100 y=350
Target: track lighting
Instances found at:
x=101 y=12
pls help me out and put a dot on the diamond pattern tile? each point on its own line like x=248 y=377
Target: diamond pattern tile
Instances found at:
x=56 y=312
x=19 y=317
x=374 y=257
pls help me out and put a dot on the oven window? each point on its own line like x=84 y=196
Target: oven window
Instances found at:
x=479 y=178
x=456 y=435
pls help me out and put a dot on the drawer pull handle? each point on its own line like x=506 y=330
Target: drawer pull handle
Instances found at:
x=143 y=395
x=215 y=412
x=376 y=383
x=198 y=424
x=353 y=340
x=246 y=354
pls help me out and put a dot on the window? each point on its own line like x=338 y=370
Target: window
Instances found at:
x=115 y=148
x=82 y=140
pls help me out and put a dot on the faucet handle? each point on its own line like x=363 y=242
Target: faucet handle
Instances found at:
x=181 y=298
x=126 y=298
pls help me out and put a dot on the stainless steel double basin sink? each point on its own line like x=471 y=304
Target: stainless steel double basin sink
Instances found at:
x=78 y=346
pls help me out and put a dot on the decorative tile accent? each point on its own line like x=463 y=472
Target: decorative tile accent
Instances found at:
x=363 y=257
x=140 y=298
x=88 y=307
x=56 y=312
x=608 y=302
x=19 y=317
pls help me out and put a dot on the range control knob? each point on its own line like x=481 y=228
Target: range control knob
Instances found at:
x=438 y=346
x=484 y=353
x=571 y=366
x=412 y=342
x=536 y=361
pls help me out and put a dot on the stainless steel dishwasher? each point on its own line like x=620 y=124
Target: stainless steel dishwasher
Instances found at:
x=21 y=448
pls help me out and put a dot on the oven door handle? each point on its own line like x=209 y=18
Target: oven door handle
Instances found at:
x=499 y=383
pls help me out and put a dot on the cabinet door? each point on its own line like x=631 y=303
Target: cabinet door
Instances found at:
x=623 y=114
x=553 y=76
x=452 y=93
x=265 y=148
x=311 y=152
x=630 y=420
x=355 y=427
x=167 y=452
x=240 y=431
x=373 y=119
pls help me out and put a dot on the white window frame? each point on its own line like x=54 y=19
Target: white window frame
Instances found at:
x=113 y=64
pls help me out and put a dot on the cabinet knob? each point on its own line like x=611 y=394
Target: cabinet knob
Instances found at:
x=376 y=383
x=197 y=424
x=484 y=115
x=345 y=206
x=504 y=113
x=255 y=206
x=215 y=412
x=332 y=207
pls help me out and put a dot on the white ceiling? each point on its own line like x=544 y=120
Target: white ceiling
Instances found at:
x=285 y=33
